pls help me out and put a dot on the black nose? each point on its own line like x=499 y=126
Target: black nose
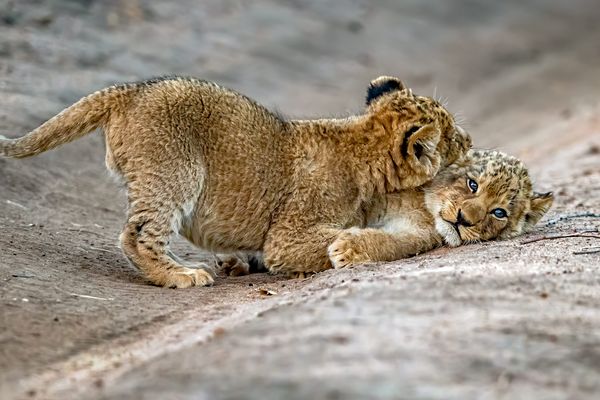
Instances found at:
x=460 y=219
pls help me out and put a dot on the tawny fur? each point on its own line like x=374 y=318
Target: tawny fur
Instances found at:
x=229 y=175
x=416 y=220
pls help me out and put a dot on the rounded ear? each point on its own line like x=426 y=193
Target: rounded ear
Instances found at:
x=540 y=204
x=383 y=85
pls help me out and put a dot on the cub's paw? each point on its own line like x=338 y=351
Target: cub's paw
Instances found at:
x=210 y=269
x=344 y=252
x=234 y=266
x=184 y=277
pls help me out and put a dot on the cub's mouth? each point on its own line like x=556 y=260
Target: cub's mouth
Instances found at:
x=449 y=231
x=455 y=226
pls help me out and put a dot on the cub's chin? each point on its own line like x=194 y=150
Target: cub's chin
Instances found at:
x=447 y=231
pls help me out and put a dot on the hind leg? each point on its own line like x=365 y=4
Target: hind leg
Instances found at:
x=145 y=242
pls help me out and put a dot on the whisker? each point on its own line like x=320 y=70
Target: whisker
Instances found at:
x=444 y=102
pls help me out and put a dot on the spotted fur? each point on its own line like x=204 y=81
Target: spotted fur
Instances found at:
x=503 y=183
x=447 y=210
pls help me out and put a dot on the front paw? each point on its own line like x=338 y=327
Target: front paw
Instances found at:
x=345 y=252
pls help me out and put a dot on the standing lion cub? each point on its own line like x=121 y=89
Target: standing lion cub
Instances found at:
x=229 y=175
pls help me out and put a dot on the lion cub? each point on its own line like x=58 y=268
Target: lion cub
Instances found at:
x=486 y=195
x=229 y=175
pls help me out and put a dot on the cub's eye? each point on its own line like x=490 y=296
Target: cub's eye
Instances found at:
x=499 y=213
x=472 y=185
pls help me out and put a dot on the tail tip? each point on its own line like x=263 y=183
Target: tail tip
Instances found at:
x=4 y=144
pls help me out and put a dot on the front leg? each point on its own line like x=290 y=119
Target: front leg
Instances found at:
x=359 y=246
x=299 y=252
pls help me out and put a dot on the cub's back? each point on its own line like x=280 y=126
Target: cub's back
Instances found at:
x=242 y=149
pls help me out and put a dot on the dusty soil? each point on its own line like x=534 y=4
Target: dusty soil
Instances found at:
x=501 y=319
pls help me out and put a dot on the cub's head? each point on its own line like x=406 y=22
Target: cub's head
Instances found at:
x=418 y=134
x=486 y=195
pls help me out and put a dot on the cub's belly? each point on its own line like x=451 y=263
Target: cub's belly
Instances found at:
x=223 y=228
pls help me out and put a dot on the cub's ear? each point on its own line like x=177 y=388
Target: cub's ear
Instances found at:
x=383 y=85
x=540 y=204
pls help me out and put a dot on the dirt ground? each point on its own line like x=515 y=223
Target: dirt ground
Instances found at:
x=495 y=320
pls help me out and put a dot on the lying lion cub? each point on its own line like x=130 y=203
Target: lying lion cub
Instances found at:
x=486 y=195
x=229 y=175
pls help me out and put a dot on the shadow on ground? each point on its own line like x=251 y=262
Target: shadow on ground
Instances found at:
x=476 y=322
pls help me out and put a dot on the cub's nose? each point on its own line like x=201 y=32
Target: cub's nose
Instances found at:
x=460 y=219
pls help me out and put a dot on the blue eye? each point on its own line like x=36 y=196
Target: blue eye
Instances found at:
x=499 y=213
x=472 y=185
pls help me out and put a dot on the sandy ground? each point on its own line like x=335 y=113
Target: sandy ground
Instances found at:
x=497 y=320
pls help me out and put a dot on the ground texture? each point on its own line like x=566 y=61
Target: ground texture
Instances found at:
x=497 y=320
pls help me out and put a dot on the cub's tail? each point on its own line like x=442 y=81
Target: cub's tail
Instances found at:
x=81 y=118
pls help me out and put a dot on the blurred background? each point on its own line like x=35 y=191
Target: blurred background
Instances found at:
x=522 y=75
x=502 y=66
